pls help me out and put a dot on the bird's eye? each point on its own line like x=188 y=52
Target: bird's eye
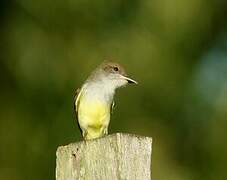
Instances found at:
x=116 y=69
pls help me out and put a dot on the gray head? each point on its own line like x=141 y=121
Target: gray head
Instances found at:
x=112 y=74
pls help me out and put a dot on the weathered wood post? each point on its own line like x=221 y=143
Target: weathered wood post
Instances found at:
x=114 y=157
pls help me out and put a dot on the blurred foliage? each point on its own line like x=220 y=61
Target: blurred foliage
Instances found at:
x=177 y=50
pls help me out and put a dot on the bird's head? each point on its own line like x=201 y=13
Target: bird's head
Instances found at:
x=115 y=74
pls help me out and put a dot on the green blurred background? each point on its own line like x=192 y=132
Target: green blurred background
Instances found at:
x=176 y=50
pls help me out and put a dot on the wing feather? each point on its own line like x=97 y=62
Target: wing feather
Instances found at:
x=76 y=105
x=112 y=107
x=77 y=100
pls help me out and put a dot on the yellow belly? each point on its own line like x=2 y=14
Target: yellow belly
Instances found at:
x=94 y=117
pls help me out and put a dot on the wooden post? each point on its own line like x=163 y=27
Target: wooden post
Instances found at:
x=114 y=157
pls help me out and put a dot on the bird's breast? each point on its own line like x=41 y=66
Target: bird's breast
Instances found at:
x=95 y=113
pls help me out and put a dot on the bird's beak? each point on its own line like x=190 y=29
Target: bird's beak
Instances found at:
x=131 y=81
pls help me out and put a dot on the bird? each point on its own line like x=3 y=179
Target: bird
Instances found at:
x=94 y=101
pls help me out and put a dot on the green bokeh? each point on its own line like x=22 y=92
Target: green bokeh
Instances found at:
x=176 y=50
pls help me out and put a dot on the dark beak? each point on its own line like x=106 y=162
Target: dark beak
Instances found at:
x=130 y=81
